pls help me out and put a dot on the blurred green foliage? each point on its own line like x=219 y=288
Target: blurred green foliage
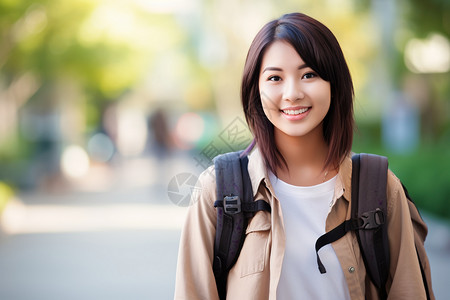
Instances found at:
x=426 y=174
x=425 y=171
x=104 y=47
x=426 y=16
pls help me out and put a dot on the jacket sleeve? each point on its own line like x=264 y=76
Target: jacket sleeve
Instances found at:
x=194 y=275
x=405 y=281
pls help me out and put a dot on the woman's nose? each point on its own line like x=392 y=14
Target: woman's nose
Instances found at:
x=293 y=91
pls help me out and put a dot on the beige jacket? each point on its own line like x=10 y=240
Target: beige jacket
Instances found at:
x=257 y=270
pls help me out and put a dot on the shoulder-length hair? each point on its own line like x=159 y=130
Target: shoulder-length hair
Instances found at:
x=320 y=50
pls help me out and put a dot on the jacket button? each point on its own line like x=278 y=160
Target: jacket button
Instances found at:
x=351 y=269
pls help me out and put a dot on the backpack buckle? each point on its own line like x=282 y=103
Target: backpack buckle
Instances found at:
x=372 y=219
x=232 y=204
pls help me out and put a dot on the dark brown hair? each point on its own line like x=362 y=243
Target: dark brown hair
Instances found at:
x=320 y=50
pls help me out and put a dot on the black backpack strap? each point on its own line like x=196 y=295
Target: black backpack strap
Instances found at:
x=234 y=206
x=368 y=210
x=246 y=207
x=334 y=235
x=369 y=193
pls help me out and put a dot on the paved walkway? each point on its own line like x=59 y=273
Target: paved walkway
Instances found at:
x=113 y=236
x=438 y=250
x=117 y=242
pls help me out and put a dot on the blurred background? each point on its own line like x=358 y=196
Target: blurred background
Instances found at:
x=109 y=110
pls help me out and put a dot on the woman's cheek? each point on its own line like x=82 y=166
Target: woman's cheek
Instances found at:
x=268 y=97
x=268 y=105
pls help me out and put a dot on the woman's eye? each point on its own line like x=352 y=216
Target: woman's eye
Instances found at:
x=309 y=75
x=274 y=78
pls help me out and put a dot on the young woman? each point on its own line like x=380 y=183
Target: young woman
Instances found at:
x=297 y=96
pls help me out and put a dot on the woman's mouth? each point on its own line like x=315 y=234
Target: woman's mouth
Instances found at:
x=295 y=114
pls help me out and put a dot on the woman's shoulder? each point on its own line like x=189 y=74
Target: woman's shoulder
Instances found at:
x=206 y=184
x=203 y=196
x=395 y=191
x=393 y=181
x=208 y=176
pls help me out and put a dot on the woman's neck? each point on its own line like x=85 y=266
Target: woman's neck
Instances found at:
x=305 y=157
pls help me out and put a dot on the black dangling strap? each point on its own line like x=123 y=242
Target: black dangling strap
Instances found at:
x=333 y=236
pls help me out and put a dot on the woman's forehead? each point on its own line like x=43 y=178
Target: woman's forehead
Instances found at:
x=280 y=53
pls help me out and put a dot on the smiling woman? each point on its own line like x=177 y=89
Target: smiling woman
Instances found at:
x=297 y=95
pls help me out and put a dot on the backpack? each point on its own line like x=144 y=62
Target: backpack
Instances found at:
x=235 y=206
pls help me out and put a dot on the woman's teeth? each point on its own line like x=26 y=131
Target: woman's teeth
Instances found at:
x=295 y=112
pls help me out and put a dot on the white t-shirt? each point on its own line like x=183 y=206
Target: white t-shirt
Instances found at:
x=305 y=210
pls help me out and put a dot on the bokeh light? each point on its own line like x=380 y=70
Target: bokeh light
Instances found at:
x=189 y=129
x=431 y=55
x=100 y=147
x=74 y=162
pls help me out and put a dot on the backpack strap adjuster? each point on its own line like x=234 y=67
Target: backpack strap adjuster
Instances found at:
x=232 y=204
x=372 y=219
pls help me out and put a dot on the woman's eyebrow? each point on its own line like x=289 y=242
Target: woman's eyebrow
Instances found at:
x=302 y=66
x=272 y=69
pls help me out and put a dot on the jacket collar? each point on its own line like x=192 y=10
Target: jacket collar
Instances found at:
x=258 y=175
x=257 y=170
x=343 y=184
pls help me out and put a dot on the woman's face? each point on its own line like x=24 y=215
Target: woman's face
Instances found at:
x=294 y=98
